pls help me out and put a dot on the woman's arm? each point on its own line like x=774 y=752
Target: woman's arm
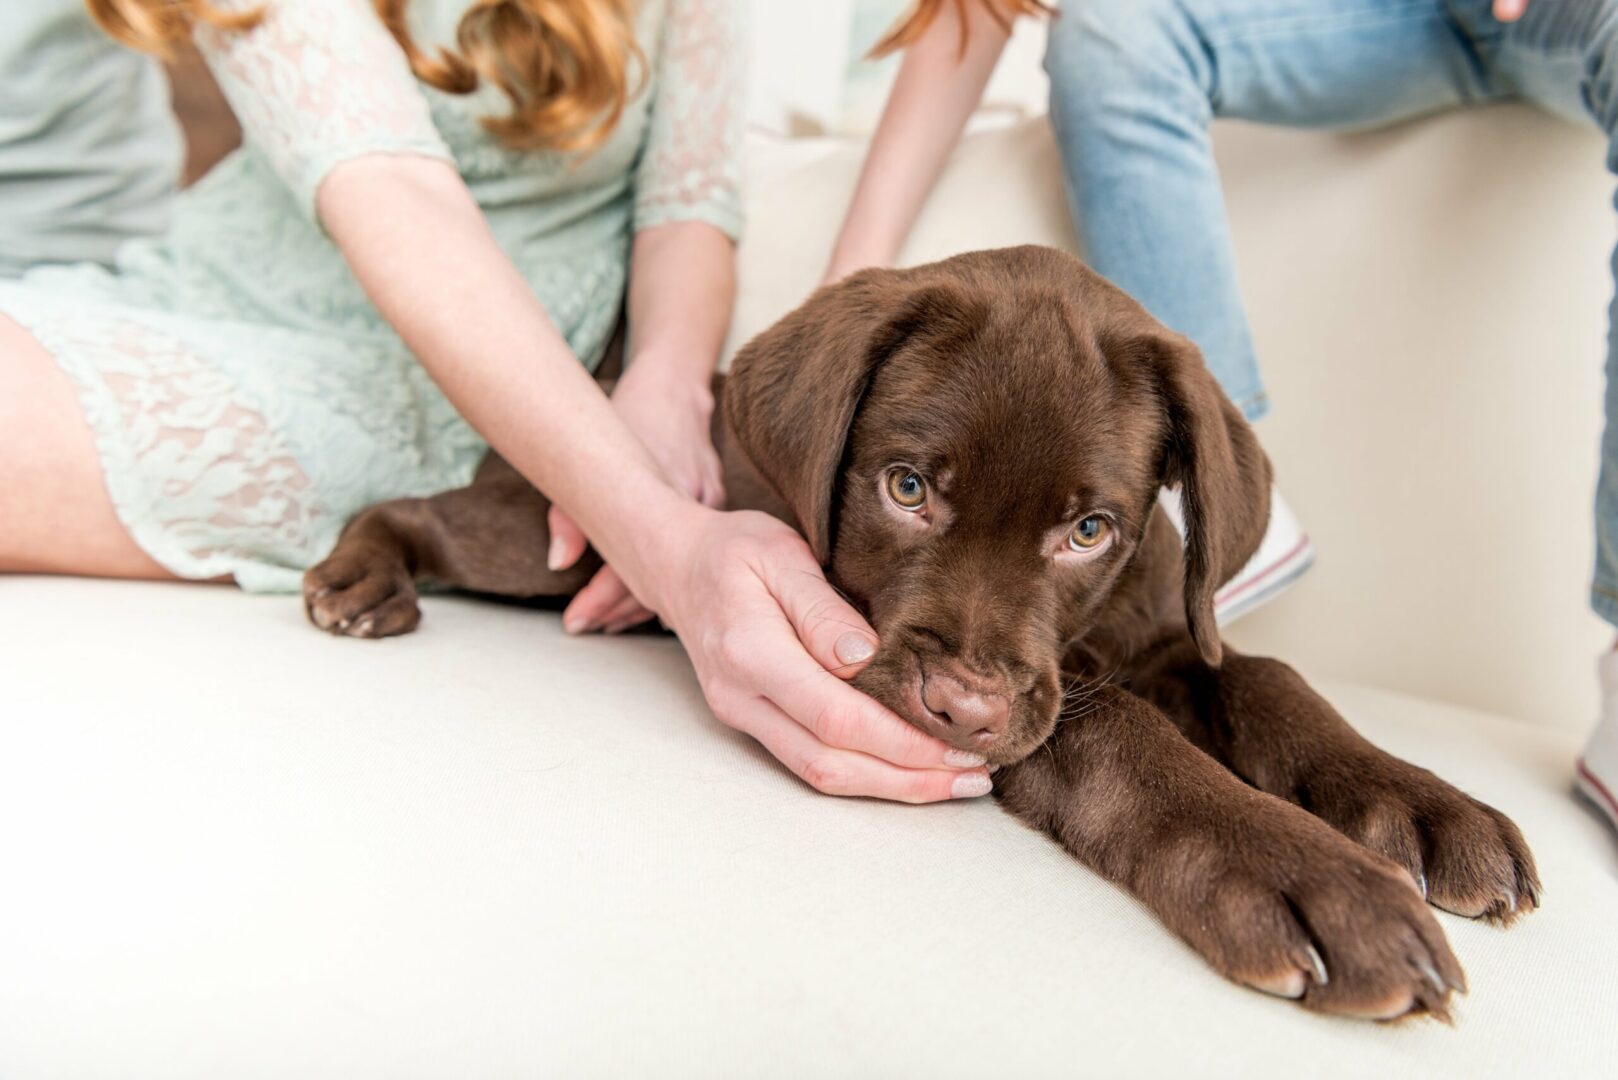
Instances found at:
x=682 y=287
x=327 y=96
x=687 y=216
x=762 y=626
x=937 y=90
x=419 y=245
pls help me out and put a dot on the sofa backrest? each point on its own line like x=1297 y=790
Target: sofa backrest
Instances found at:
x=1430 y=307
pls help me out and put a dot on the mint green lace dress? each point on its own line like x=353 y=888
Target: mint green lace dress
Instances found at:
x=246 y=397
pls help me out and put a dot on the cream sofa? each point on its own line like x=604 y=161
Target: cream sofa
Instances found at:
x=236 y=847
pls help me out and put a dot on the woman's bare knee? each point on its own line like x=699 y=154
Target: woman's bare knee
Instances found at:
x=55 y=514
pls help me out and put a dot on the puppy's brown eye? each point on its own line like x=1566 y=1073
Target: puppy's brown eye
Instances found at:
x=1088 y=534
x=907 y=489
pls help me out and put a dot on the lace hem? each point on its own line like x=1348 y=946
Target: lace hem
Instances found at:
x=187 y=462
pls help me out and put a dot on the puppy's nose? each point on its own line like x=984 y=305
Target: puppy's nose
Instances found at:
x=974 y=711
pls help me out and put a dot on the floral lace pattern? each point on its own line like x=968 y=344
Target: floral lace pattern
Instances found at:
x=693 y=152
x=245 y=396
x=186 y=460
x=316 y=81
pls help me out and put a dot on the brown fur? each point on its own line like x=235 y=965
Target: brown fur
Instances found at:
x=1029 y=393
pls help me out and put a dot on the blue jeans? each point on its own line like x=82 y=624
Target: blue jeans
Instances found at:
x=1135 y=84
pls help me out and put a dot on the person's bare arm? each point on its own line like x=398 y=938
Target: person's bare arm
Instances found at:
x=419 y=245
x=763 y=628
x=937 y=90
x=682 y=287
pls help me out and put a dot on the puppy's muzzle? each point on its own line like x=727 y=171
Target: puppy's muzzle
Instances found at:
x=966 y=709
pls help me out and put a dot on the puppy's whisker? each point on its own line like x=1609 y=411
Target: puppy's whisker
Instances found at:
x=1080 y=697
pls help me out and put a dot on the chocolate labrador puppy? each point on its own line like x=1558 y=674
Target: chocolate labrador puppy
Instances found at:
x=974 y=451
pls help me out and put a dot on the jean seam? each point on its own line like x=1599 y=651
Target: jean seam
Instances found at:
x=1206 y=46
x=1500 y=38
x=1279 y=27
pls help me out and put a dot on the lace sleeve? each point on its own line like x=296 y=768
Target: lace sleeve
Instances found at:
x=690 y=167
x=319 y=82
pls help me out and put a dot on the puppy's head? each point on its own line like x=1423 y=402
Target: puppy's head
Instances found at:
x=974 y=449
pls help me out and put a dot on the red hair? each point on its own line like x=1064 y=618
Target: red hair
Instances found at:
x=922 y=13
x=566 y=65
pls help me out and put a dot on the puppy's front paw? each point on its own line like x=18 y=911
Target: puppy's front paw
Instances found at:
x=1466 y=857
x=1301 y=912
x=361 y=591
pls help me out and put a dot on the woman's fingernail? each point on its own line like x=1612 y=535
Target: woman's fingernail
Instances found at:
x=964 y=759
x=573 y=626
x=854 y=647
x=553 y=558
x=970 y=786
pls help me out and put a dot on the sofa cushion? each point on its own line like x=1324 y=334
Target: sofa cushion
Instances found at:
x=234 y=846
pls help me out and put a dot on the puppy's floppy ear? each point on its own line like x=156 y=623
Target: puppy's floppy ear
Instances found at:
x=1222 y=473
x=793 y=392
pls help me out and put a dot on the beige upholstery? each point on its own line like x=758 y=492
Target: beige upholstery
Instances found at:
x=233 y=846
x=236 y=847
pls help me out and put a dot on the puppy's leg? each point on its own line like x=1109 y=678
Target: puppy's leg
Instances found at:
x=490 y=537
x=1260 y=718
x=1271 y=896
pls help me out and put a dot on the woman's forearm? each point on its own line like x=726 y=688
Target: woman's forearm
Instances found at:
x=418 y=243
x=742 y=590
x=937 y=90
x=682 y=288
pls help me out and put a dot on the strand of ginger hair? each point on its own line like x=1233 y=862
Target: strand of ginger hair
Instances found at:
x=566 y=65
x=922 y=13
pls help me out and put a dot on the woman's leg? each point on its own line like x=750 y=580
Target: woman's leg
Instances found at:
x=55 y=514
x=1134 y=86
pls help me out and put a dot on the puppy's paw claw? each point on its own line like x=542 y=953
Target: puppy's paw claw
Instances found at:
x=1463 y=855
x=1307 y=968
x=1313 y=917
x=1317 y=966
x=357 y=594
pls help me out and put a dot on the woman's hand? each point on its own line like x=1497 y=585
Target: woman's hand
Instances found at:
x=770 y=639
x=772 y=642
x=682 y=282
x=742 y=590
x=671 y=414
x=1510 y=10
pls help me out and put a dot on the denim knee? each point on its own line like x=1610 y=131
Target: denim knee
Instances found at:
x=1583 y=33
x=1107 y=55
